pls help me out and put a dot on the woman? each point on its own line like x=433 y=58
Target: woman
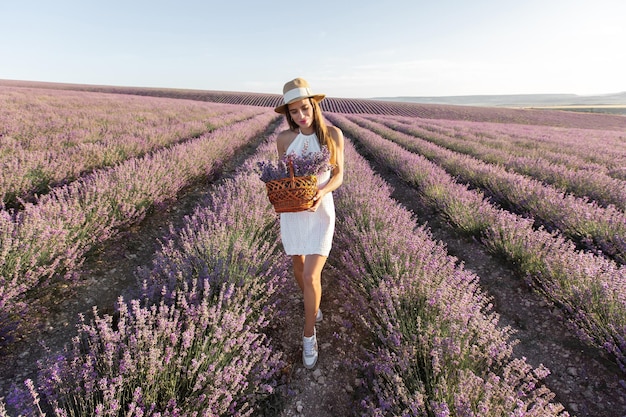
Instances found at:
x=307 y=235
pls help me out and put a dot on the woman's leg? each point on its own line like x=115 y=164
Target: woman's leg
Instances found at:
x=312 y=289
x=298 y=270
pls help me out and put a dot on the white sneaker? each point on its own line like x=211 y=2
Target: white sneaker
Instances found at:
x=309 y=351
x=319 y=316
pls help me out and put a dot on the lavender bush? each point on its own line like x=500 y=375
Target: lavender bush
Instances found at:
x=234 y=236
x=203 y=354
x=438 y=349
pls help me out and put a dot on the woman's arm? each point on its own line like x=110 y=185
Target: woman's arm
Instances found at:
x=336 y=178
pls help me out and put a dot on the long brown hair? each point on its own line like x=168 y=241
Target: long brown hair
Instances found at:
x=321 y=130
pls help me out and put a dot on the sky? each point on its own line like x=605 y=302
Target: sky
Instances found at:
x=350 y=49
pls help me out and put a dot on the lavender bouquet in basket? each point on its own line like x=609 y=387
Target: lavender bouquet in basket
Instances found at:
x=309 y=163
x=294 y=192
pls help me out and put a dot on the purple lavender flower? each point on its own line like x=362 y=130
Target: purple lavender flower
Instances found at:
x=309 y=163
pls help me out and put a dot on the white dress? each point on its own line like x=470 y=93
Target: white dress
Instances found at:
x=307 y=232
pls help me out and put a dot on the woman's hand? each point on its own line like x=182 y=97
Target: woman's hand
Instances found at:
x=317 y=200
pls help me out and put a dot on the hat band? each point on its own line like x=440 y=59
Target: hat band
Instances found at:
x=297 y=93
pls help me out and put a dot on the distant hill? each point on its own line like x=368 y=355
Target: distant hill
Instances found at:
x=520 y=100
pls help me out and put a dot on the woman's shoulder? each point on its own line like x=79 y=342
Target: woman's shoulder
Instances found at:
x=335 y=133
x=286 y=136
x=284 y=139
x=334 y=130
x=288 y=133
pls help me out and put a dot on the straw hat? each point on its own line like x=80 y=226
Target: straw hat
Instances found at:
x=294 y=90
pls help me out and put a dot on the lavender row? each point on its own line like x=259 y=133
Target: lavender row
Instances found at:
x=50 y=237
x=590 y=290
x=601 y=229
x=438 y=349
x=588 y=150
x=589 y=181
x=52 y=137
x=600 y=145
x=597 y=150
x=193 y=343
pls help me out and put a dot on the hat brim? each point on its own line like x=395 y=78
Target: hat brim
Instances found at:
x=282 y=109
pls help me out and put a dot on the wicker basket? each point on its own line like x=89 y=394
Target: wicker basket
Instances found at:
x=292 y=194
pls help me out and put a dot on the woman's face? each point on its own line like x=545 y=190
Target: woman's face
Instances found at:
x=301 y=112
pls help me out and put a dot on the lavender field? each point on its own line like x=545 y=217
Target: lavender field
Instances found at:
x=196 y=332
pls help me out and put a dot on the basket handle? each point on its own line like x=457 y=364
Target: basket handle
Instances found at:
x=291 y=174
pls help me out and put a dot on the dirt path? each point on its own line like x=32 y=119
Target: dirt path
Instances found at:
x=325 y=391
